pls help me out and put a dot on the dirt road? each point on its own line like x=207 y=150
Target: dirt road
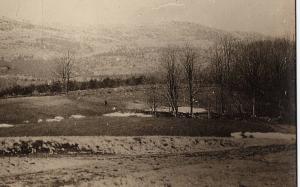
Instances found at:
x=268 y=165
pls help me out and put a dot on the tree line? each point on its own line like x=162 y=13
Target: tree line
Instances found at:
x=58 y=86
x=254 y=78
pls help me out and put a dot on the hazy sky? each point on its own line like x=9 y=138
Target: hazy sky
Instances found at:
x=264 y=16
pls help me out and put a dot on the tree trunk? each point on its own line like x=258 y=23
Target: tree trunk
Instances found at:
x=222 y=100
x=280 y=108
x=241 y=109
x=208 y=108
x=154 y=106
x=175 y=108
x=191 y=100
x=253 y=107
x=67 y=87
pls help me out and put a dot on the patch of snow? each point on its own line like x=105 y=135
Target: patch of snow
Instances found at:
x=56 y=119
x=40 y=120
x=162 y=109
x=127 y=114
x=77 y=116
x=4 y=125
x=268 y=135
x=195 y=110
x=183 y=109
x=26 y=121
x=114 y=108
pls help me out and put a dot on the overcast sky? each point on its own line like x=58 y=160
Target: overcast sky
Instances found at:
x=270 y=17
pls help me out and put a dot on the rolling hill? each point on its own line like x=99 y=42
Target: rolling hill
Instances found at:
x=100 y=50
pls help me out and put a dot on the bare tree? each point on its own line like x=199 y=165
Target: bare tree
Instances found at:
x=223 y=58
x=170 y=65
x=188 y=62
x=153 y=96
x=65 y=70
x=218 y=73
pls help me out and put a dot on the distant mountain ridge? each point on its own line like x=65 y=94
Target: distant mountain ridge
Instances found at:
x=100 y=50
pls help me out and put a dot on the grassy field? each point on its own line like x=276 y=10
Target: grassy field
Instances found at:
x=134 y=126
x=24 y=113
x=87 y=102
x=133 y=151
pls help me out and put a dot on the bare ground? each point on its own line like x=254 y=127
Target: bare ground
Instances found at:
x=265 y=163
x=105 y=151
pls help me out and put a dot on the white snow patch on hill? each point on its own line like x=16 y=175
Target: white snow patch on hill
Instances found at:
x=56 y=119
x=182 y=109
x=4 y=125
x=77 y=116
x=127 y=114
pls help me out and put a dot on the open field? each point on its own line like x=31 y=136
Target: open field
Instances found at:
x=88 y=103
x=54 y=116
x=66 y=140
x=134 y=126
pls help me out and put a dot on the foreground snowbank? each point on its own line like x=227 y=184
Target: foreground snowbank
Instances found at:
x=119 y=145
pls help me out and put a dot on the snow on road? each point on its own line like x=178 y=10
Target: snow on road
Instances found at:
x=260 y=135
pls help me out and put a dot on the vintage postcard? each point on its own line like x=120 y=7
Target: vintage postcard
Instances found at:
x=148 y=93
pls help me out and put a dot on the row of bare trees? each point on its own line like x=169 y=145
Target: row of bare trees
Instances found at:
x=247 y=76
x=261 y=71
x=179 y=67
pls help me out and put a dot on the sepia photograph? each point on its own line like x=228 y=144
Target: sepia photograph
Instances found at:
x=134 y=93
